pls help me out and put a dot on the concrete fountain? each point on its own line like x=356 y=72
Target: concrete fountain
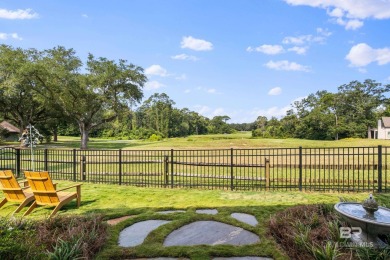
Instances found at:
x=371 y=218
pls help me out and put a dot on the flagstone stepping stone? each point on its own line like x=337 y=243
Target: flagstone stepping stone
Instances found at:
x=210 y=233
x=136 y=233
x=207 y=211
x=246 y=218
x=170 y=211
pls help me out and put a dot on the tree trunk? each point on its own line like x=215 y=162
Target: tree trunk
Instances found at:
x=84 y=131
x=55 y=135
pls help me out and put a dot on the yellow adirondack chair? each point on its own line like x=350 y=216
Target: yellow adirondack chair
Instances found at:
x=13 y=192
x=46 y=194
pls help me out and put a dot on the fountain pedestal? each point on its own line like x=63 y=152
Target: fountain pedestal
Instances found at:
x=371 y=223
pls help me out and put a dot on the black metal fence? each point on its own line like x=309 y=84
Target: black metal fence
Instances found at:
x=339 y=169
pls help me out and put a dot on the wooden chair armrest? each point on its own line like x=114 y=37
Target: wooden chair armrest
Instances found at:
x=24 y=184
x=73 y=186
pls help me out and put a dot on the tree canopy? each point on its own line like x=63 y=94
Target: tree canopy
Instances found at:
x=325 y=116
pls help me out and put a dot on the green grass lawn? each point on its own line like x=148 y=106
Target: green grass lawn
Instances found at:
x=114 y=201
x=142 y=203
x=215 y=141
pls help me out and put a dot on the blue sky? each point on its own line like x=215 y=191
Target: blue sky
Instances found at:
x=241 y=58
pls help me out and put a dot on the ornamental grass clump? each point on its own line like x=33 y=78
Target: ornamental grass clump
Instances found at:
x=65 y=237
x=71 y=237
x=308 y=232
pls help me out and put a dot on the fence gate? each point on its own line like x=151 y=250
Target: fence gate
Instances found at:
x=9 y=160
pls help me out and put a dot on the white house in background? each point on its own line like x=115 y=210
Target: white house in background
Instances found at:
x=383 y=130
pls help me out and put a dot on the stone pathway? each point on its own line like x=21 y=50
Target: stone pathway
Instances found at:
x=210 y=233
x=246 y=218
x=171 y=211
x=207 y=211
x=196 y=233
x=136 y=233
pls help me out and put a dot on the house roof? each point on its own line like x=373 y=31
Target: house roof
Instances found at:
x=386 y=121
x=9 y=127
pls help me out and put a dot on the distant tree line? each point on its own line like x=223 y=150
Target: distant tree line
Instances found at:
x=330 y=116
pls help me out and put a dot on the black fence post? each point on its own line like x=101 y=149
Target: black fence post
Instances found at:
x=379 y=168
x=231 y=170
x=83 y=167
x=18 y=169
x=120 y=166
x=171 y=168
x=166 y=169
x=74 y=165
x=300 y=168
x=45 y=166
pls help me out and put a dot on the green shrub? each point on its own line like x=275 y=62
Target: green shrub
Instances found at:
x=17 y=240
x=155 y=137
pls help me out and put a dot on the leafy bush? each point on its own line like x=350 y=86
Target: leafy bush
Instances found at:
x=17 y=240
x=155 y=137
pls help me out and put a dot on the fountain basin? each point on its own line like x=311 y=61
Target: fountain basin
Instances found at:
x=375 y=223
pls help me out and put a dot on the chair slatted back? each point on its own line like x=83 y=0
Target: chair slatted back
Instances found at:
x=10 y=186
x=42 y=187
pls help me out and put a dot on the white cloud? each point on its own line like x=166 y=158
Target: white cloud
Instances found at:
x=187 y=91
x=362 y=54
x=301 y=43
x=286 y=65
x=84 y=15
x=298 y=50
x=270 y=112
x=189 y=42
x=156 y=70
x=6 y=36
x=181 y=77
x=275 y=91
x=323 y=32
x=267 y=49
x=218 y=112
x=18 y=14
x=320 y=37
x=184 y=57
x=299 y=40
x=349 y=24
x=349 y=13
x=203 y=110
x=153 y=85
x=209 y=112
